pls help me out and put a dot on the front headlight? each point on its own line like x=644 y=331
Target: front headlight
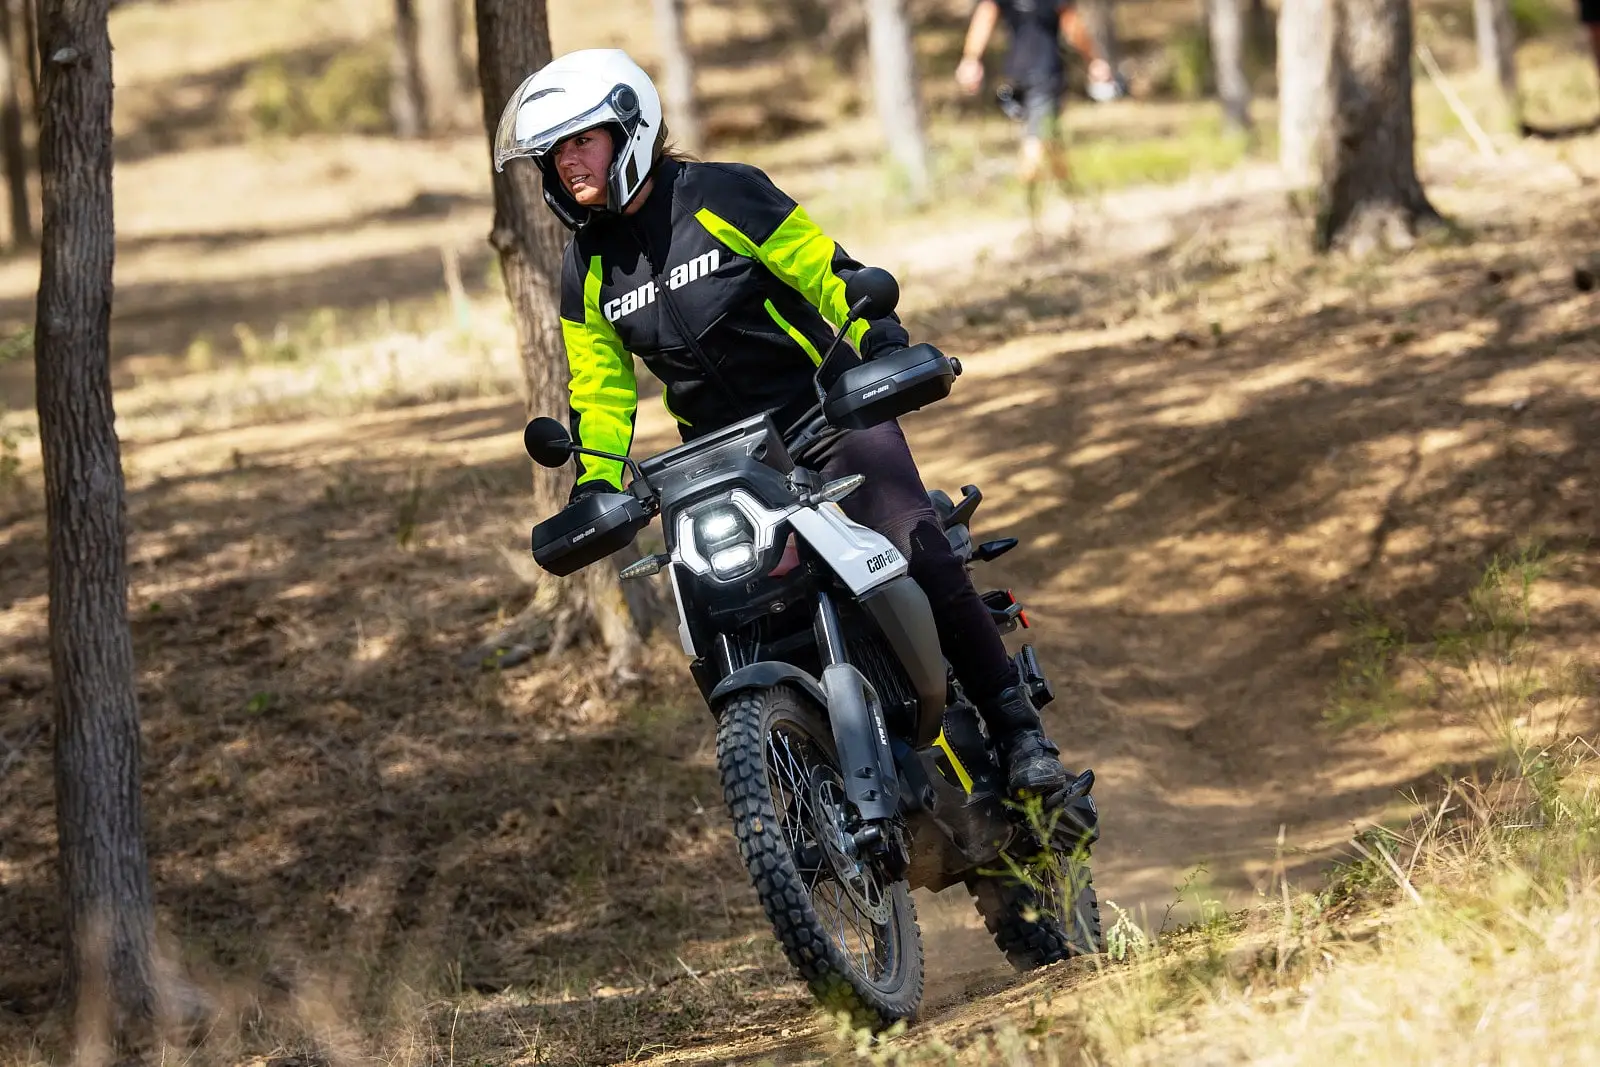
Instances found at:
x=726 y=541
x=719 y=526
x=733 y=562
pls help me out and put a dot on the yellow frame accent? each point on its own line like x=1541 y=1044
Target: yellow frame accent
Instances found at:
x=961 y=772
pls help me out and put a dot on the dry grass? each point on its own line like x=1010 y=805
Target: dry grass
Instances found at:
x=1465 y=935
x=1210 y=444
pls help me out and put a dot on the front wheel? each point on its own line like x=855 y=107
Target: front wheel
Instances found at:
x=850 y=931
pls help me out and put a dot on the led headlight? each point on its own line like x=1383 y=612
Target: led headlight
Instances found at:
x=717 y=526
x=726 y=540
x=732 y=562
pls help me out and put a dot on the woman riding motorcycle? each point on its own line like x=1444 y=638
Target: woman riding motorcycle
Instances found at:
x=725 y=289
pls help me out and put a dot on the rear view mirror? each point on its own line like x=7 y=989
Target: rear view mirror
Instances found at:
x=877 y=287
x=547 y=442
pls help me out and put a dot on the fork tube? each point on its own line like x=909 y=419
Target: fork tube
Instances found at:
x=727 y=655
x=829 y=643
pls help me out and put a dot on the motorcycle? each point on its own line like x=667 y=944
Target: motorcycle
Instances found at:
x=853 y=766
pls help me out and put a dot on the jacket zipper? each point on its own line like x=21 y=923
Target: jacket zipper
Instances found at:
x=663 y=295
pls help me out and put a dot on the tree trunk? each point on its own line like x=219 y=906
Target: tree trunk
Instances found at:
x=1261 y=37
x=1305 y=52
x=105 y=878
x=444 y=95
x=13 y=145
x=406 y=108
x=683 y=119
x=1101 y=20
x=1227 y=59
x=1497 y=47
x=894 y=89
x=30 y=45
x=1369 y=192
x=513 y=42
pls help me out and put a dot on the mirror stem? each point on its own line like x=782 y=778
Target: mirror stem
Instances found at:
x=849 y=321
x=633 y=468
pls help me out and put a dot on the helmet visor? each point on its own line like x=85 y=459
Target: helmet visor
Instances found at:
x=526 y=129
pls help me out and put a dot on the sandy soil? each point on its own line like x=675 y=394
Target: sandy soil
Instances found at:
x=1211 y=446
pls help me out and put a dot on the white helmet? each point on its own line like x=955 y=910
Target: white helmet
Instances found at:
x=580 y=91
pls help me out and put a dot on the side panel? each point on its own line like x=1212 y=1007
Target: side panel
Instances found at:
x=863 y=558
x=900 y=608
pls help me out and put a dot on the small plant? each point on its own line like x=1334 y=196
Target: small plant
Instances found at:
x=18 y=346
x=1366 y=690
x=409 y=510
x=10 y=461
x=1190 y=50
x=349 y=95
x=1125 y=939
x=1534 y=18
x=1485 y=668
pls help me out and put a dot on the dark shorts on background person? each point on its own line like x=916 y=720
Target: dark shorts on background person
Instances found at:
x=1589 y=12
x=1037 y=107
x=1041 y=111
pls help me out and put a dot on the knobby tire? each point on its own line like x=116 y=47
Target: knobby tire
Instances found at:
x=748 y=719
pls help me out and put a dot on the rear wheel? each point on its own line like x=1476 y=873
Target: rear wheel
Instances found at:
x=1045 y=910
x=850 y=932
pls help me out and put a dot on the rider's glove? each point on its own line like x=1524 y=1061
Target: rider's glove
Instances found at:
x=886 y=337
x=589 y=488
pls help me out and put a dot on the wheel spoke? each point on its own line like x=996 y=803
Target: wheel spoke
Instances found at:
x=791 y=768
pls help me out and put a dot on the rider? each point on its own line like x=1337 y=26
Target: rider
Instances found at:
x=725 y=288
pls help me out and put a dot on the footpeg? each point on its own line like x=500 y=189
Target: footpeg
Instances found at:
x=1077 y=819
x=1031 y=676
x=1005 y=610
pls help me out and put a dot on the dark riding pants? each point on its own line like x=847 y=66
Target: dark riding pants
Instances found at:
x=895 y=503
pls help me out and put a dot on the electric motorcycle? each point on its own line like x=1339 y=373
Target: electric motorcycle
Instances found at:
x=853 y=766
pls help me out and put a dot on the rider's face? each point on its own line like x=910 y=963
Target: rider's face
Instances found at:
x=582 y=162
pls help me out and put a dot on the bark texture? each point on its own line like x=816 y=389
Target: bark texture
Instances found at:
x=1369 y=192
x=105 y=880
x=894 y=90
x=1305 y=55
x=513 y=42
x=677 y=83
x=407 y=109
x=1226 y=24
x=13 y=140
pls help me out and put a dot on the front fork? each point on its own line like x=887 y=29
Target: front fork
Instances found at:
x=856 y=715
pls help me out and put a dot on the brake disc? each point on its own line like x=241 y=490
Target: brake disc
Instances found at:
x=857 y=878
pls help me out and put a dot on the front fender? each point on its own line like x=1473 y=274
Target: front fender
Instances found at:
x=764 y=676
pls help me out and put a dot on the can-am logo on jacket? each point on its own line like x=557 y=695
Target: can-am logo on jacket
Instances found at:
x=681 y=275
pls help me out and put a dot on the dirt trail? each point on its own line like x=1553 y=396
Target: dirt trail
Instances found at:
x=1209 y=446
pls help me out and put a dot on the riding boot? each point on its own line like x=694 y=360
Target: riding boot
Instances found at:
x=1031 y=761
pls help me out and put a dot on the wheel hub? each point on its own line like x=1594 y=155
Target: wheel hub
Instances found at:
x=841 y=847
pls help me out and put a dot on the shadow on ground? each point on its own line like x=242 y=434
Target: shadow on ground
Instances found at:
x=326 y=783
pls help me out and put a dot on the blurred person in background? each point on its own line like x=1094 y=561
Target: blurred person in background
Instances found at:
x=728 y=292
x=1036 y=76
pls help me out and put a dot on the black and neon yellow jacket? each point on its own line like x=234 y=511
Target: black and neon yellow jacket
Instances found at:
x=721 y=255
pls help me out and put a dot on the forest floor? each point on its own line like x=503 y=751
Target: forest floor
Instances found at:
x=1267 y=504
